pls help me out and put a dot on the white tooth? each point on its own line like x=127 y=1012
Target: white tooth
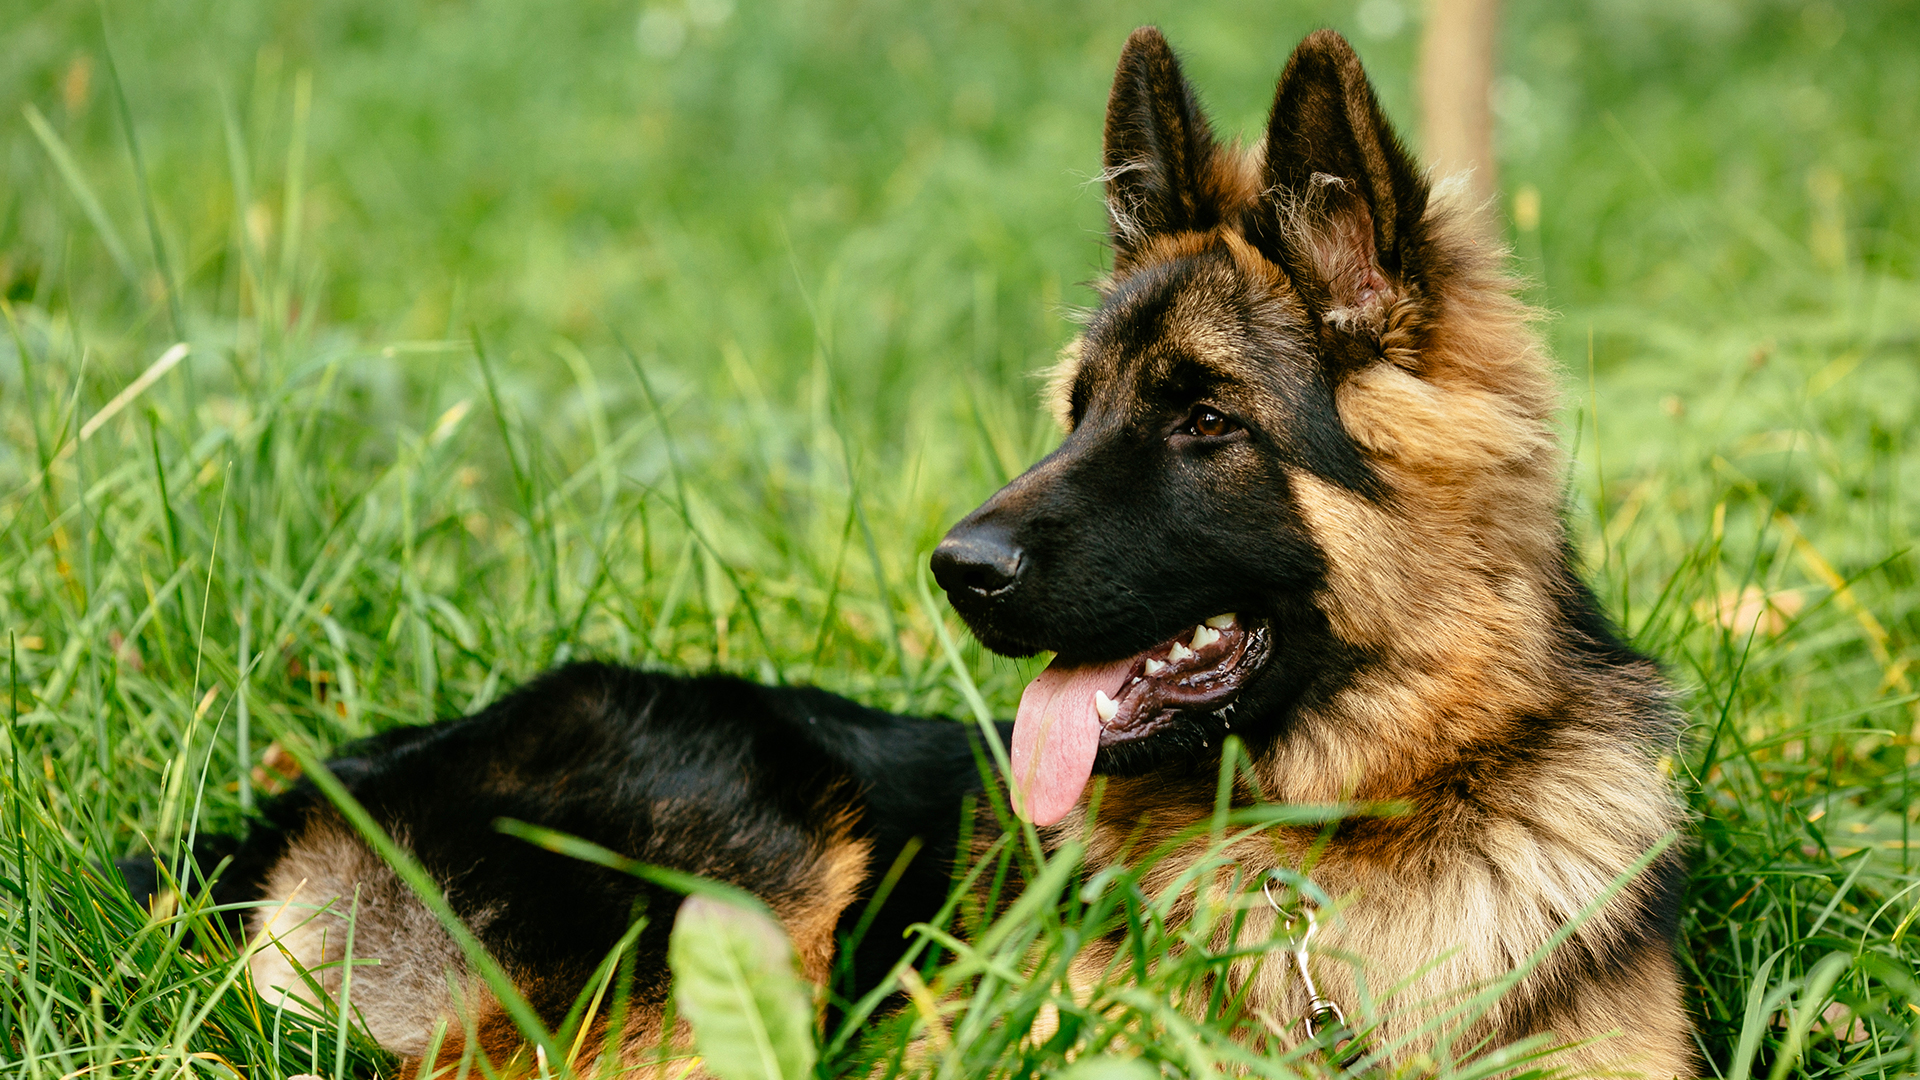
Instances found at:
x=1105 y=706
x=1204 y=635
x=1178 y=653
x=1155 y=667
x=1221 y=622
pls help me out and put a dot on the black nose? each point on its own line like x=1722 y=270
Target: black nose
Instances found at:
x=977 y=559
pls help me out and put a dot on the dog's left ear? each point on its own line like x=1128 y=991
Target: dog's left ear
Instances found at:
x=1343 y=201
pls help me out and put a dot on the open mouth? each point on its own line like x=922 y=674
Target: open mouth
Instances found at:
x=1072 y=710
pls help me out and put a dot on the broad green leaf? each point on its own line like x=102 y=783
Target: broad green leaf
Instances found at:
x=736 y=980
x=1108 y=1068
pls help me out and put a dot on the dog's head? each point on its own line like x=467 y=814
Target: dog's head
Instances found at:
x=1299 y=391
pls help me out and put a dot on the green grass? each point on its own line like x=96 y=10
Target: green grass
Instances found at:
x=515 y=337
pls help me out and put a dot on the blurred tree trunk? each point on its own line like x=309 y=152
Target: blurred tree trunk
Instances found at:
x=1456 y=85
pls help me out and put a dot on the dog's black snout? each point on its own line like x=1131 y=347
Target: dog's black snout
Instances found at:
x=983 y=561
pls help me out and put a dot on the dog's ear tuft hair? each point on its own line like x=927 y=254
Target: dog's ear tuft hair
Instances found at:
x=1343 y=201
x=1159 y=150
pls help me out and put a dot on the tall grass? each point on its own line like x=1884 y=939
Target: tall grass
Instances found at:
x=678 y=335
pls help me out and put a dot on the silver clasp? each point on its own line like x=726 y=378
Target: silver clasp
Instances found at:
x=1319 y=1009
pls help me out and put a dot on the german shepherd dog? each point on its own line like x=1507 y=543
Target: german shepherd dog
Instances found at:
x=1309 y=495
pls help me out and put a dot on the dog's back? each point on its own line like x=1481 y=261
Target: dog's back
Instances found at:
x=796 y=795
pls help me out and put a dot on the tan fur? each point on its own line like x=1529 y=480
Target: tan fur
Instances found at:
x=1230 y=178
x=1059 y=384
x=811 y=910
x=421 y=980
x=1448 y=584
x=308 y=898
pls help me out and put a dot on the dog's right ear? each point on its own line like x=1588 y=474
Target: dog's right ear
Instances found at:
x=1343 y=199
x=1159 y=151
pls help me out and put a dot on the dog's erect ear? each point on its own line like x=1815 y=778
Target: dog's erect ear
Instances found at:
x=1343 y=204
x=1159 y=152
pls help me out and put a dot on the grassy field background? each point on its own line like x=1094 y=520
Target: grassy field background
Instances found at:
x=678 y=334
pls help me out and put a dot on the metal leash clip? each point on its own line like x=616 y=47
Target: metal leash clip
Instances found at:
x=1319 y=1009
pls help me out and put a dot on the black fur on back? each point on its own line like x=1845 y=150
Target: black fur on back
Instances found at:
x=710 y=774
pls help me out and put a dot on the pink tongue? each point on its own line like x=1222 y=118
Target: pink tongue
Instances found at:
x=1056 y=734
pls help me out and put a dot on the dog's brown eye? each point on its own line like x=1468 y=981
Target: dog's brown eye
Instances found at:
x=1209 y=423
